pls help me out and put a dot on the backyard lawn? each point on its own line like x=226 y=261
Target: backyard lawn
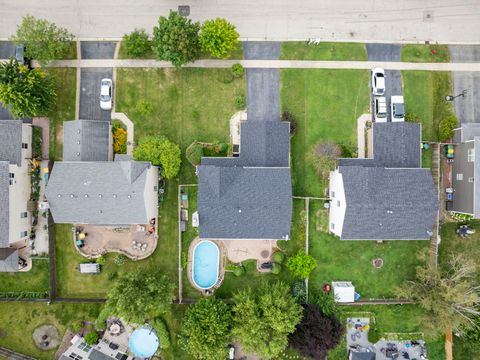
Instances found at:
x=65 y=80
x=425 y=53
x=352 y=260
x=326 y=105
x=33 y=281
x=301 y=50
x=18 y=320
x=424 y=93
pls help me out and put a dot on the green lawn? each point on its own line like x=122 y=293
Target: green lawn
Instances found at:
x=424 y=94
x=326 y=105
x=352 y=260
x=427 y=158
x=18 y=320
x=425 y=53
x=300 y=50
x=65 y=80
x=35 y=280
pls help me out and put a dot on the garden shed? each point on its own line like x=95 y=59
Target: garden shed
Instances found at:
x=90 y=268
x=343 y=291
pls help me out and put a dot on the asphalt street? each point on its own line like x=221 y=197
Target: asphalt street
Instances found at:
x=443 y=21
x=393 y=78
x=263 y=98
x=466 y=108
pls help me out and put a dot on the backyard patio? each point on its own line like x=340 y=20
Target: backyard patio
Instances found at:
x=136 y=241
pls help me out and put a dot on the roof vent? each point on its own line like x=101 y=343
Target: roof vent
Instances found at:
x=129 y=196
x=78 y=154
x=389 y=212
x=78 y=131
x=78 y=142
x=86 y=195
x=114 y=195
x=59 y=195
x=72 y=196
x=239 y=210
x=100 y=196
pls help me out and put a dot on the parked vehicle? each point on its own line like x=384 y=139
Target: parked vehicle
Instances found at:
x=380 y=109
x=397 y=108
x=449 y=151
x=378 y=81
x=106 y=94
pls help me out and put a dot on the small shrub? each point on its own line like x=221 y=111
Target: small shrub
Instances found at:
x=278 y=257
x=446 y=128
x=299 y=291
x=411 y=117
x=120 y=259
x=239 y=270
x=76 y=326
x=326 y=302
x=276 y=269
x=137 y=43
x=91 y=338
x=240 y=102
x=184 y=260
x=144 y=107
x=101 y=260
x=162 y=332
x=119 y=140
x=301 y=264
x=237 y=70
x=222 y=147
x=347 y=151
x=194 y=153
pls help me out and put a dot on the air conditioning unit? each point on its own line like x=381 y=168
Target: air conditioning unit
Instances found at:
x=43 y=205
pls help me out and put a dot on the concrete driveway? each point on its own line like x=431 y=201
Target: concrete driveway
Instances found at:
x=466 y=109
x=90 y=93
x=97 y=49
x=263 y=97
x=393 y=78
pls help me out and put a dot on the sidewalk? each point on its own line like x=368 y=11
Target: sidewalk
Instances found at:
x=266 y=64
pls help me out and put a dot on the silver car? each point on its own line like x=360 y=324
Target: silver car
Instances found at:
x=106 y=94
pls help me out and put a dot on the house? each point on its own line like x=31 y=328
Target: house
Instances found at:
x=465 y=168
x=104 y=350
x=387 y=197
x=89 y=188
x=15 y=189
x=361 y=355
x=248 y=197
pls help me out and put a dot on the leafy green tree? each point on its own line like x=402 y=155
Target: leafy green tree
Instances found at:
x=91 y=338
x=137 y=43
x=27 y=93
x=160 y=152
x=162 y=332
x=263 y=319
x=43 y=40
x=175 y=39
x=206 y=329
x=139 y=295
x=218 y=37
x=301 y=264
x=450 y=297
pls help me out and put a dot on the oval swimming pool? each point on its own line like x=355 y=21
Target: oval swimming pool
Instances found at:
x=206 y=260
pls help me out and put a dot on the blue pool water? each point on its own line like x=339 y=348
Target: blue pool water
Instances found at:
x=205 y=264
x=143 y=342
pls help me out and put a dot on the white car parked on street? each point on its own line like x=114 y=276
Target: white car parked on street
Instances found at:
x=380 y=109
x=397 y=108
x=106 y=94
x=378 y=81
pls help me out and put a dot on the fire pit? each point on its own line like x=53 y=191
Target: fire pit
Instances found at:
x=46 y=337
x=377 y=263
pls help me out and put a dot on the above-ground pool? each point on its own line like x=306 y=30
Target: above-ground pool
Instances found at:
x=206 y=260
x=143 y=342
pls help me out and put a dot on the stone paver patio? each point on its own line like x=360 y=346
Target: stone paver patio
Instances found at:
x=241 y=250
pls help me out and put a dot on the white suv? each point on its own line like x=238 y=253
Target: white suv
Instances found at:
x=380 y=109
x=397 y=108
x=378 y=81
x=106 y=94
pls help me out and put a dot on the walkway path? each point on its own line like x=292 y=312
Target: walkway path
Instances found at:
x=361 y=124
x=268 y=64
x=44 y=123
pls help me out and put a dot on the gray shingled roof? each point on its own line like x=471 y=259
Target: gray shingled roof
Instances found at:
x=100 y=193
x=86 y=140
x=388 y=204
x=245 y=203
x=265 y=143
x=363 y=356
x=8 y=260
x=4 y=203
x=11 y=141
x=469 y=131
x=98 y=355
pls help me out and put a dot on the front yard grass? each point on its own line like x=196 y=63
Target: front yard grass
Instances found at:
x=33 y=281
x=300 y=50
x=18 y=320
x=427 y=158
x=425 y=53
x=340 y=260
x=66 y=85
x=326 y=105
x=424 y=93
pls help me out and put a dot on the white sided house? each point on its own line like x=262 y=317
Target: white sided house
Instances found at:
x=15 y=190
x=387 y=197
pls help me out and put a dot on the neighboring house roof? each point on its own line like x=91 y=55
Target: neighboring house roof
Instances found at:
x=99 y=193
x=363 y=356
x=467 y=132
x=11 y=141
x=4 y=203
x=244 y=202
x=86 y=140
x=98 y=355
x=8 y=260
x=265 y=143
x=388 y=204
